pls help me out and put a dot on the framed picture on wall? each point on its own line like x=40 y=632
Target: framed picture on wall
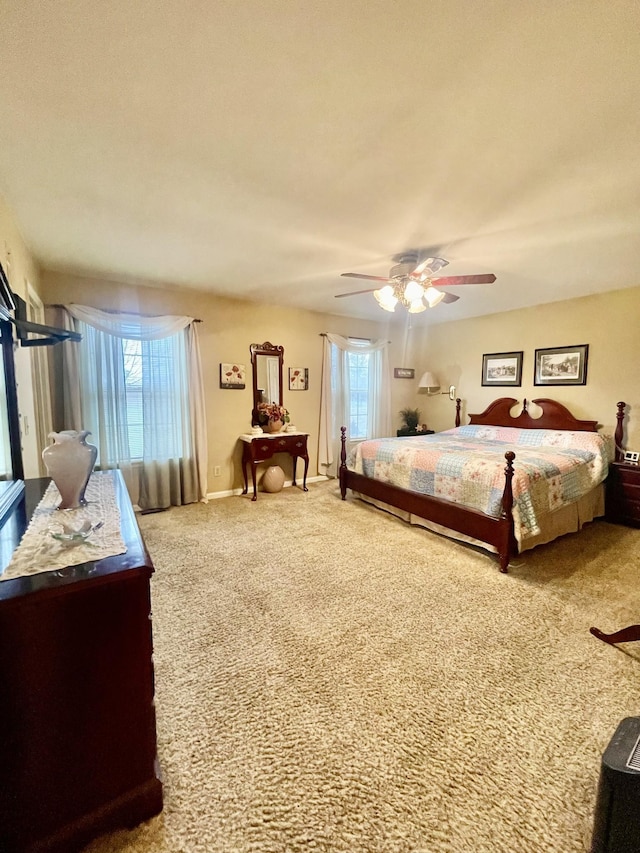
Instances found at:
x=561 y=365
x=232 y=375
x=298 y=379
x=502 y=368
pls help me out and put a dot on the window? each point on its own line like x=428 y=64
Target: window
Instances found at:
x=149 y=377
x=136 y=396
x=135 y=383
x=357 y=366
x=132 y=351
x=358 y=394
x=355 y=393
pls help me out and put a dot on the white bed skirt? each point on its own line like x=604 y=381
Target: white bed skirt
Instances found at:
x=567 y=519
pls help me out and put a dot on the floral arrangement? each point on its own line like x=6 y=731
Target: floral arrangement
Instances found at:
x=410 y=418
x=272 y=412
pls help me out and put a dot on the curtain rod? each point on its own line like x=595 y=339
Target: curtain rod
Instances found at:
x=353 y=338
x=59 y=305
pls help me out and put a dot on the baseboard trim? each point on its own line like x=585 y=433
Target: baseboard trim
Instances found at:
x=228 y=493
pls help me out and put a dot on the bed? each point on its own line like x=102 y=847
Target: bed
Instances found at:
x=461 y=482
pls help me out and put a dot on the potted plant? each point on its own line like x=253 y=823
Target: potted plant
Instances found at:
x=410 y=418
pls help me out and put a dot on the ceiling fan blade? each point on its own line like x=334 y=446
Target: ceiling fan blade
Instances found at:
x=367 y=277
x=450 y=297
x=448 y=281
x=430 y=265
x=356 y=292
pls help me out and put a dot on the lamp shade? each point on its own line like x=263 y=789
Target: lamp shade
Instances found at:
x=428 y=380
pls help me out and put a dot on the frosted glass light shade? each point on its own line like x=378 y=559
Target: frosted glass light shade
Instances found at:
x=416 y=307
x=386 y=298
x=413 y=292
x=433 y=296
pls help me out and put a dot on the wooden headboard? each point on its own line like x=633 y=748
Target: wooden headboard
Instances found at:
x=554 y=416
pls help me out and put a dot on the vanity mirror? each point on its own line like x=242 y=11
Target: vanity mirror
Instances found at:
x=266 y=360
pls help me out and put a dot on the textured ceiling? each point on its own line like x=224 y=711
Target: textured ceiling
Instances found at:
x=262 y=147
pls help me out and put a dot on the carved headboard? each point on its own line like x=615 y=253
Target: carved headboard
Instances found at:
x=554 y=416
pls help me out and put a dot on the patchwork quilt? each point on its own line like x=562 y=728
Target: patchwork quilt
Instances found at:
x=553 y=468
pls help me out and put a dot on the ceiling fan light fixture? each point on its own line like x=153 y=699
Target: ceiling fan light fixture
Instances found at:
x=386 y=298
x=413 y=291
x=412 y=286
x=433 y=296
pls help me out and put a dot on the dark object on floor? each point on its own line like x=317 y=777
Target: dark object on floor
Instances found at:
x=616 y=826
x=624 y=635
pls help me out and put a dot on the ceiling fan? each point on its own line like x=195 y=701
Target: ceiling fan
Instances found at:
x=412 y=283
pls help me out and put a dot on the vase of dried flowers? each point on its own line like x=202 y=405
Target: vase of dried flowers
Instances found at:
x=272 y=417
x=273 y=426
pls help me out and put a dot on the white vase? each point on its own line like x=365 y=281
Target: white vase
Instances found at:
x=69 y=462
x=273 y=479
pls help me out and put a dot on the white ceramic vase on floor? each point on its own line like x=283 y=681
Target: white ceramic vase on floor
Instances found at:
x=273 y=479
x=69 y=462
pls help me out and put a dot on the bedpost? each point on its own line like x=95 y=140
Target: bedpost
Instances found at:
x=619 y=433
x=507 y=538
x=458 y=402
x=343 y=462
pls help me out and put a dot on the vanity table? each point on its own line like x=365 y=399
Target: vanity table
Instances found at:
x=78 y=744
x=267 y=360
x=258 y=448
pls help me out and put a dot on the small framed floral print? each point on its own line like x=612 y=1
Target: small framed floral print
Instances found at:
x=298 y=378
x=232 y=375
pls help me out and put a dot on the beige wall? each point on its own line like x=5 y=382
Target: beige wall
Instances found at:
x=609 y=323
x=229 y=327
x=16 y=259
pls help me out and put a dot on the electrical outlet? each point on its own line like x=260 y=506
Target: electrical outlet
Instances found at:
x=452 y=392
x=216 y=471
x=632 y=456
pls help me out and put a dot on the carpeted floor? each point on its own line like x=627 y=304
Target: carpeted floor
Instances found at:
x=329 y=678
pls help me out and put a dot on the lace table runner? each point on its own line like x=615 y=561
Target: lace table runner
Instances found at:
x=39 y=552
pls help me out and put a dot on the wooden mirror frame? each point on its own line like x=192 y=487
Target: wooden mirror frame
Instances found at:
x=272 y=351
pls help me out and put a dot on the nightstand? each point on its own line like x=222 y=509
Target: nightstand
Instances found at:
x=405 y=432
x=623 y=494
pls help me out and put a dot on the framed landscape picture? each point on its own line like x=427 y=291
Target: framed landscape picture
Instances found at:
x=502 y=368
x=561 y=365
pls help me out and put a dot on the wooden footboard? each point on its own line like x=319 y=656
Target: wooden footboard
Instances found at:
x=498 y=532
x=494 y=531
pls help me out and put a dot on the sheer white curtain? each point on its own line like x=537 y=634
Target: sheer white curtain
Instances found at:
x=335 y=401
x=156 y=434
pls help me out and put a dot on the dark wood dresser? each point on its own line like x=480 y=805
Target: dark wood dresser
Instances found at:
x=78 y=735
x=623 y=494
